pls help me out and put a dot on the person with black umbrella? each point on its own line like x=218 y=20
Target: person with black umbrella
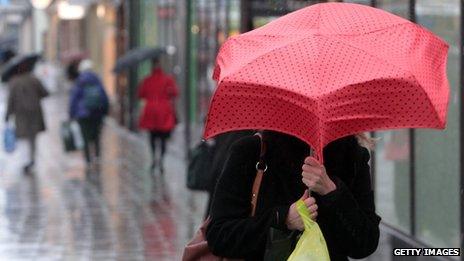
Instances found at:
x=24 y=103
x=159 y=91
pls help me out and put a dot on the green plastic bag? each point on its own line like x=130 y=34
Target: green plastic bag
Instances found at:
x=311 y=246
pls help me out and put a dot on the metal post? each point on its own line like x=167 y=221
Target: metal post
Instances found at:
x=373 y=155
x=246 y=18
x=134 y=23
x=461 y=126
x=188 y=82
x=227 y=24
x=412 y=154
x=373 y=166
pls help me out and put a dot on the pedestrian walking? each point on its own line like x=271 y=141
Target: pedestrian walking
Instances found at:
x=24 y=103
x=341 y=198
x=88 y=106
x=158 y=91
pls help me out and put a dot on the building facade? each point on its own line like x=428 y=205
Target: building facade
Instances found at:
x=92 y=36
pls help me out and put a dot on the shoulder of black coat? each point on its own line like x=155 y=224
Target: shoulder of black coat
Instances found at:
x=246 y=146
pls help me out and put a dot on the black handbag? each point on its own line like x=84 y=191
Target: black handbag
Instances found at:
x=280 y=244
x=199 y=172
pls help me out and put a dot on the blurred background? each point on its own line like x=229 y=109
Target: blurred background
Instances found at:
x=126 y=212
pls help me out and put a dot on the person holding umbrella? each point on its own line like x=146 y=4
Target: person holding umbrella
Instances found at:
x=341 y=198
x=24 y=102
x=6 y=55
x=314 y=80
x=158 y=91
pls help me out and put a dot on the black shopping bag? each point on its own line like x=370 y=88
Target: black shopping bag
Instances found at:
x=199 y=172
x=67 y=137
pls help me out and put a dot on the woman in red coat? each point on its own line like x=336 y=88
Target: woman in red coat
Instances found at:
x=159 y=91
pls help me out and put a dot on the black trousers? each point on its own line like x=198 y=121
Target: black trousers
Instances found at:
x=162 y=137
x=91 y=130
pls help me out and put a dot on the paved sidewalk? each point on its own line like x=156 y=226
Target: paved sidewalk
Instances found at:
x=121 y=214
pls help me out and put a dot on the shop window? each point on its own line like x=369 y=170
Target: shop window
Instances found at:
x=437 y=152
x=392 y=178
x=392 y=158
x=363 y=2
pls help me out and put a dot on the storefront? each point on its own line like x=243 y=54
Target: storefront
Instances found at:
x=147 y=23
x=90 y=35
x=100 y=41
x=418 y=173
x=209 y=23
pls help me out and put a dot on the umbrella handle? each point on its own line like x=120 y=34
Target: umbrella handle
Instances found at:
x=315 y=155
x=312 y=153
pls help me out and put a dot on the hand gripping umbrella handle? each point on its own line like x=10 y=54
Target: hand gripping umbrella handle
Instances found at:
x=312 y=153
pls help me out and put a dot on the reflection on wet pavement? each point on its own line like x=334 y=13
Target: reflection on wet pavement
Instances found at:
x=121 y=212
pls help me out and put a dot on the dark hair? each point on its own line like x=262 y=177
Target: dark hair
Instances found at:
x=285 y=139
x=72 y=70
x=155 y=62
x=343 y=152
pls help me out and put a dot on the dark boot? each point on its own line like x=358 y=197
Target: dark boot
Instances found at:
x=28 y=169
x=161 y=167
x=153 y=166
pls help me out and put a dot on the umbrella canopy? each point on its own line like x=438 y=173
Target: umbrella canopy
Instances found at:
x=136 y=56
x=8 y=42
x=6 y=55
x=19 y=64
x=328 y=71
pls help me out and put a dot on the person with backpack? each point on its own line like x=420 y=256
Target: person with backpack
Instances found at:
x=88 y=106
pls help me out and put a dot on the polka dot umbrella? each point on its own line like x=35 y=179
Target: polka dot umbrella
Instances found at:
x=328 y=71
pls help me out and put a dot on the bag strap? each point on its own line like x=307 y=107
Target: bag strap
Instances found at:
x=261 y=167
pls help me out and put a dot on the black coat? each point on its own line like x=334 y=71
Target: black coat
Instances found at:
x=222 y=146
x=24 y=102
x=346 y=216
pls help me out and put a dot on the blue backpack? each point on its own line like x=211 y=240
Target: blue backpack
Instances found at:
x=92 y=98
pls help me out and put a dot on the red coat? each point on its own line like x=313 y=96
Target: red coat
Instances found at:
x=158 y=90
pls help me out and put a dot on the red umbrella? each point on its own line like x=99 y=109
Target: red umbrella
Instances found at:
x=328 y=71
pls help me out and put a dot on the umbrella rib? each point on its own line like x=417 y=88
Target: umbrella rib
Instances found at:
x=237 y=39
x=373 y=31
x=368 y=53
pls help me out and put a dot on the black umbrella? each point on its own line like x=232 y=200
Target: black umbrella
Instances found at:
x=136 y=56
x=19 y=64
x=6 y=55
x=8 y=42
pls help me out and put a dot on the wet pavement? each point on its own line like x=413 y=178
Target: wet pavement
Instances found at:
x=122 y=213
